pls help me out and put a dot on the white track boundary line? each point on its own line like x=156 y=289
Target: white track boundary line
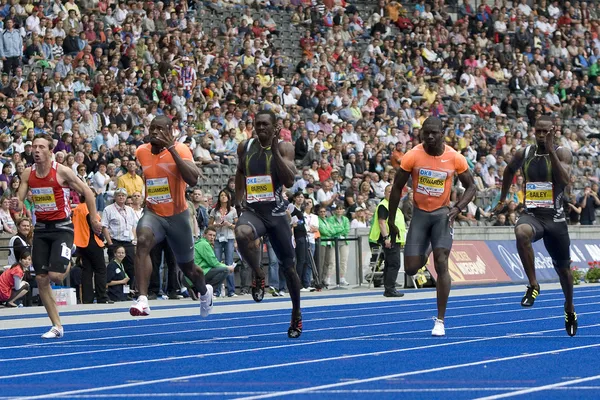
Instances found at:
x=286 y=314
x=222 y=328
x=287 y=344
x=541 y=388
x=357 y=391
x=213 y=340
x=419 y=372
x=322 y=360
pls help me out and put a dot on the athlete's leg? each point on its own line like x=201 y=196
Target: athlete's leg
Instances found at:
x=557 y=243
x=443 y=283
x=43 y=283
x=524 y=234
x=418 y=238
x=143 y=263
x=248 y=231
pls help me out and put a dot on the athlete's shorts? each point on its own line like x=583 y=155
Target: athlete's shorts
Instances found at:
x=52 y=246
x=277 y=227
x=555 y=235
x=428 y=227
x=176 y=229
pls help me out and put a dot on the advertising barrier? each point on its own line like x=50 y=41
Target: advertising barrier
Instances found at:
x=497 y=261
x=472 y=262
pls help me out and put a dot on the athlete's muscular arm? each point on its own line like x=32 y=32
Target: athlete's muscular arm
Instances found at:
x=17 y=202
x=509 y=173
x=283 y=155
x=466 y=178
x=187 y=168
x=68 y=176
x=399 y=183
x=561 y=160
x=240 y=185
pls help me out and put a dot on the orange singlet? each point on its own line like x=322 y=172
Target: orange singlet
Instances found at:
x=165 y=187
x=432 y=176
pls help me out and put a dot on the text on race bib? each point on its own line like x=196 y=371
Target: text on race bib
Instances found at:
x=259 y=189
x=158 y=191
x=431 y=183
x=43 y=199
x=539 y=195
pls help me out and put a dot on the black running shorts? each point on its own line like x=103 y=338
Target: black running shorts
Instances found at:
x=277 y=227
x=555 y=235
x=52 y=246
x=176 y=229
x=428 y=227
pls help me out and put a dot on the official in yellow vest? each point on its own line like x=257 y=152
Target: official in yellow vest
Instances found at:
x=380 y=233
x=90 y=248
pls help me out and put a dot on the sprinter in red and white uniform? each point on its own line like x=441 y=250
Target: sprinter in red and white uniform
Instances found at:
x=50 y=185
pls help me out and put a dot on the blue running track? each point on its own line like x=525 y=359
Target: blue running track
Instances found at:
x=493 y=349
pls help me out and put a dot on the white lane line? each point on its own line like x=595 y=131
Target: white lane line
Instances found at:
x=357 y=391
x=315 y=342
x=222 y=328
x=323 y=360
x=331 y=308
x=422 y=371
x=541 y=388
x=218 y=339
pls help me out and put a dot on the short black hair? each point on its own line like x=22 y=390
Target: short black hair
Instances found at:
x=270 y=113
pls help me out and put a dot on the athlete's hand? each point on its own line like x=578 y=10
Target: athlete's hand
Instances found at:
x=165 y=139
x=549 y=141
x=454 y=211
x=97 y=227
x=393 y=231
x=275 y=143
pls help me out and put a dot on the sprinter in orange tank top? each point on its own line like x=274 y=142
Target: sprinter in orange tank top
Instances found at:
x=168 y=168
x=432 y=166
x=50 y=185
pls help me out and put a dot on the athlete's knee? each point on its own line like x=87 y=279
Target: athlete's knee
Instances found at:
x=244 y=234
x=412 y=264
x=145 y=241
x=288 y=264
x=440 y=260
x=56 y=277
x=562 y=267
x=189 y=268
x=42 y=280
x=523 y=233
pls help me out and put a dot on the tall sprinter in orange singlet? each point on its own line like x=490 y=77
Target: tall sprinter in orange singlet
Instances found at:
x=50 y=185
x=168 y=168
x=432 y=166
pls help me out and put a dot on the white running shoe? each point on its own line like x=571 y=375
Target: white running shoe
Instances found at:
x=140 y=308
x=54 y=333
x=438 y=328
x=344 y=282
x=206 y=302
x=304 y=289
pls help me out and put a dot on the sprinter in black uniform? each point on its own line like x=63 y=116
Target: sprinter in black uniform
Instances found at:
x=546 y=171
x=265 y=167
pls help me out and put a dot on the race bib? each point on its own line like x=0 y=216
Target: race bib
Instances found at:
x=43 y=199
x=259 y=189
x=158 y=191
x=431 y=183
x=539 y=195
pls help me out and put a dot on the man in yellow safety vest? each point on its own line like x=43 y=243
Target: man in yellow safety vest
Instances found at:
x=380 y=234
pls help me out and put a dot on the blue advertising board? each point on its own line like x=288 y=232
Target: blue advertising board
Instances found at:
x=505 y=252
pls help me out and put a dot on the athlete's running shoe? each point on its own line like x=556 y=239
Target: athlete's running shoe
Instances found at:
x=530 y=296
x=258 y=289
x=206 y=302
x=571 y=323
x=438 y=328
x=295 y=329
x=54 y=333
x=140 y=308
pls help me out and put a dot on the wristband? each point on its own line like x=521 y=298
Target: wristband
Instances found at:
x=171 y=147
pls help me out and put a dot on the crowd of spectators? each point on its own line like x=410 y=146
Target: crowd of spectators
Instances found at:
x=350 y=81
